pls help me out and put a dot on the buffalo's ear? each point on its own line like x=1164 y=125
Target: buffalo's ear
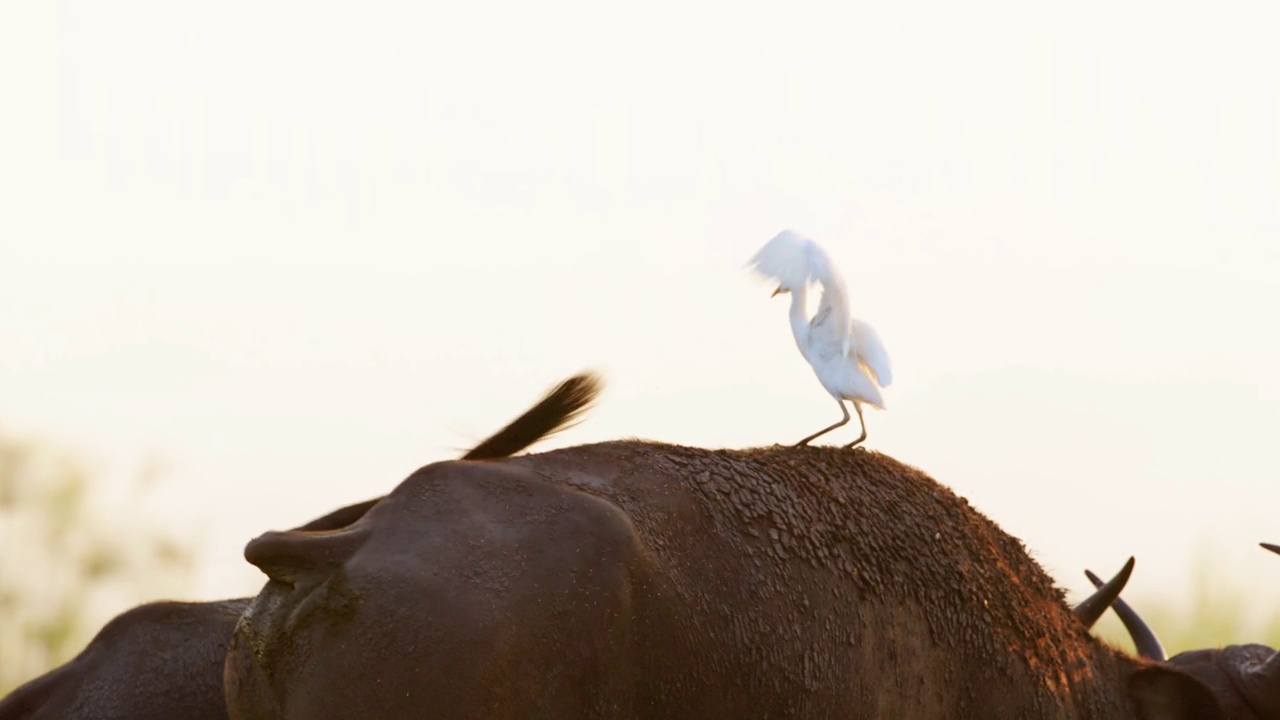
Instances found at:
x=1256 y=671
x=1161 y=693
x=306 y=556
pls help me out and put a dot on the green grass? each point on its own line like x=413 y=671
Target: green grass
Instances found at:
x=65 y=562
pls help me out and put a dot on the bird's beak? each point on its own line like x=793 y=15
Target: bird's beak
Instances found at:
x=777 y=292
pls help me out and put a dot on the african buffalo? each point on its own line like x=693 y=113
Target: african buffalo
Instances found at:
x=154 y=661
x=638 y=580
x=1244 y=678
x=164 y=660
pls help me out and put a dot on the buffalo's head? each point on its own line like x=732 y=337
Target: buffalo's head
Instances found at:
x=1243 y=679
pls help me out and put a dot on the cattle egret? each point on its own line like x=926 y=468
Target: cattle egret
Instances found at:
x=846 y=353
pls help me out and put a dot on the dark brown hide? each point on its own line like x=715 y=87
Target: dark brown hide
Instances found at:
x=1245 y=678
x=633 y=580
x=165 y=660
x=160 y=661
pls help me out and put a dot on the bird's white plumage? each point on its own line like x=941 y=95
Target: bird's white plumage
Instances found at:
x=870 y=351
x=845 y=353
x=795 y=261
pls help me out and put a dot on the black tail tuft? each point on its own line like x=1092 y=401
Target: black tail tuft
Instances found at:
x=557 y=410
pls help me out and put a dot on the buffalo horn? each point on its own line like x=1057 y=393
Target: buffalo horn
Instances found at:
x=1272 y=548
x=1144 y=639
x=1092 y=607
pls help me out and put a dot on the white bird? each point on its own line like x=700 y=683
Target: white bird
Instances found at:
x=846 y=353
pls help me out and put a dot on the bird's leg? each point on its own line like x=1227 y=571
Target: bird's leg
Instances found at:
x=826 y=430
x=857 y=406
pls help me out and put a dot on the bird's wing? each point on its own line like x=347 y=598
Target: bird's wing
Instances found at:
x=870 y=352
x=834 y=303
x=795 y=261
x=785 y=259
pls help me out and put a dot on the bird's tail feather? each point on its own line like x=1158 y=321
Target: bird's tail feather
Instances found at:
x=871 y=352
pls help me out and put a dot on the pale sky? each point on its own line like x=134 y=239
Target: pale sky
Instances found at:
x=296 y=250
